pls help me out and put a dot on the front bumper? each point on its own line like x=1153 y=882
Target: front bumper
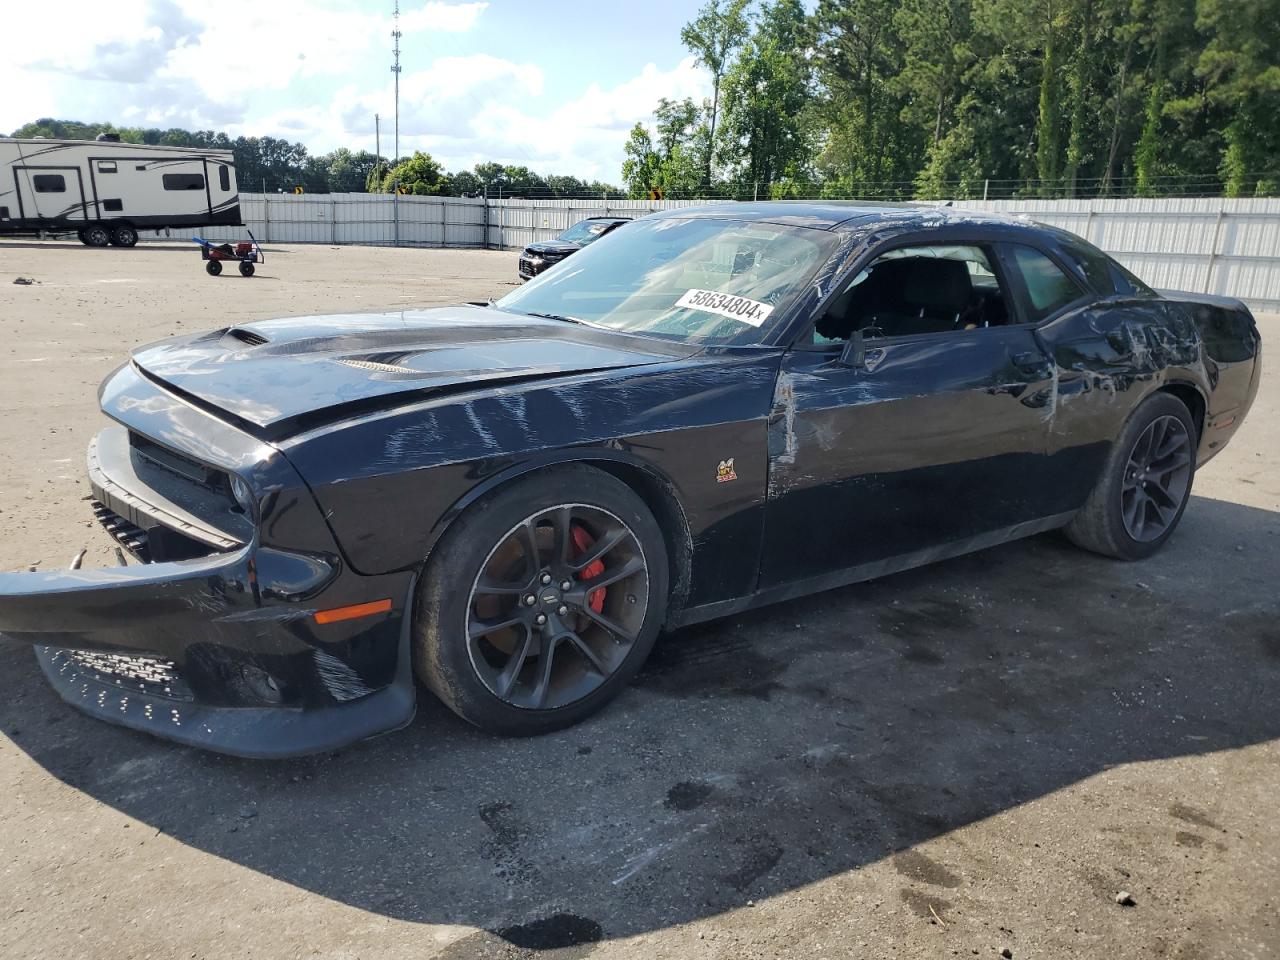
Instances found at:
x=224 y=650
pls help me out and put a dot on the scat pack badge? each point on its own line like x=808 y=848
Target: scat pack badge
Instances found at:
x=725 y=472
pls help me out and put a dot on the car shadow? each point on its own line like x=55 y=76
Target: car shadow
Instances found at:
x=753 y=755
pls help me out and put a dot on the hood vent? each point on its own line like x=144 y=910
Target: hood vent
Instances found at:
x=246 y=336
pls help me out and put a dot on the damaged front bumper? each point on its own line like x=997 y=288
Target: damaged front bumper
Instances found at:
x=235 y=648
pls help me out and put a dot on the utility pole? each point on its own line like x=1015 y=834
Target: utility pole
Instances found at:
x=395 y=68
x=377 y=136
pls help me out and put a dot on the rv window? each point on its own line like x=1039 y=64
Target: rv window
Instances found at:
x=183 y=181
x=106 y=166
x=112 y=206
x=49 y=183
x=224 y=178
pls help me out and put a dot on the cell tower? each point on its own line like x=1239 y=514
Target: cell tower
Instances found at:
x=395 y=68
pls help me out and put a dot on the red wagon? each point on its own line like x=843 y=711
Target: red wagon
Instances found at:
x=246 y=253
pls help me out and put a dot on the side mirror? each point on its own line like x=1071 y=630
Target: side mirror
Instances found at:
x=854 y=353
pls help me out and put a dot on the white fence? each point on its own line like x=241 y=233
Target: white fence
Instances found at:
x=1211 y=245
x=1223 y=246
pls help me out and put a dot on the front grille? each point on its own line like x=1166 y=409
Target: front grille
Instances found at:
x=133 y=538
x=153 y=676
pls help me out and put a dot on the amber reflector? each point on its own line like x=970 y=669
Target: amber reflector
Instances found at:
x=352 y=612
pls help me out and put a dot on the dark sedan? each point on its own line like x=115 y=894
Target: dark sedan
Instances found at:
x=718 y=408
x=539 y=256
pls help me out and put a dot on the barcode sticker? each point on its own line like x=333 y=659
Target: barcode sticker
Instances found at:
x=751 y=312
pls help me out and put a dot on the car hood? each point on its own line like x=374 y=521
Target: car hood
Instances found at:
x=278 y=376
x=555 y=248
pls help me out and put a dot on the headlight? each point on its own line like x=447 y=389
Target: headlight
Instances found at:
x=244 y=496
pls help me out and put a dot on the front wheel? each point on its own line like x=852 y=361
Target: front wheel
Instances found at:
x=541 y=602
x=213 y=268
x=1145 y=485
x=246 y=268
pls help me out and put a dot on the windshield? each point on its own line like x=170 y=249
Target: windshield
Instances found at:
x=715 y=281
x=585 y=231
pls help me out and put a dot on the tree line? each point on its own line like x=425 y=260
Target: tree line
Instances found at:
x=971 y=98
x=271 y=164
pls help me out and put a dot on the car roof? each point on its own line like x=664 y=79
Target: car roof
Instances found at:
x=838 y=214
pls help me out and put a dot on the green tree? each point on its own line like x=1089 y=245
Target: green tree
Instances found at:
x=1240 y=67
x=419 y=175
x=718 y=30
x=766 y=98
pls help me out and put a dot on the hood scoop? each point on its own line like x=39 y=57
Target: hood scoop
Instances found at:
x=248 y=337
x=280 y=376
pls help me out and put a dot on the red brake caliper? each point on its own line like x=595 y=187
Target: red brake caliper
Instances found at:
x=582 y=542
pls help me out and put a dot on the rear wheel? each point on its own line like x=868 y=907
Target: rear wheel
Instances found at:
x=95 y=235
x=541 y=602
x=213 y=267
x=1145 y=485
x=246 y=268
x=123 y=235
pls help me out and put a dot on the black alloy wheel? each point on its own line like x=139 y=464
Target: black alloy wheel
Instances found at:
x=213 y=268
x=557 y=606
x=541 y=601
x=246 y=268
x=1156 y=479
x=1145 y=484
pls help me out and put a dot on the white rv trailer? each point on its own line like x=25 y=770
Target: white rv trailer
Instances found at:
x=106 y=191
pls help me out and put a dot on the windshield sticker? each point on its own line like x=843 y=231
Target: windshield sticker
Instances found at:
x=751 y=312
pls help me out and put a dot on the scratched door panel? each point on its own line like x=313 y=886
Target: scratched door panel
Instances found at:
x=941 y=438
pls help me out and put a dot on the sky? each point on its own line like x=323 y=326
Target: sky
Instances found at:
x=554 y=85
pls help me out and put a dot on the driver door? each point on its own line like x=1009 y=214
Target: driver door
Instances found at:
x=935 y=443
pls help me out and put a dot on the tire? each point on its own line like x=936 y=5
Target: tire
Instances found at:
x=213 y=267
x=95 y=235
x=123 y=235
x=495 y=679
x=1109 y=523
x=246 y=268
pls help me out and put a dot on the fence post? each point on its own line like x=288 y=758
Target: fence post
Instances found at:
x=486 y=216
x=395 y=213
x=444 y=223
x=266 y=217
x=986 y=184
x=333 y=217
x=1213 y=248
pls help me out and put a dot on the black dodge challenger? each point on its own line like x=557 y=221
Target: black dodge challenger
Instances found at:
x=713 y=409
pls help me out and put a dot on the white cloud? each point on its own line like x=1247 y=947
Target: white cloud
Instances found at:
x=436 y=16
x=316 y=71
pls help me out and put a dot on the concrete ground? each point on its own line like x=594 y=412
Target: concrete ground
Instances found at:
x=960 y=760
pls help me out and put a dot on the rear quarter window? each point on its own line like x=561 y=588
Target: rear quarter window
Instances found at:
x=1105 y=276
x=1049 y=287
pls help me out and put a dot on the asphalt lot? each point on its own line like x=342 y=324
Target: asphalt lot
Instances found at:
x=954 y=761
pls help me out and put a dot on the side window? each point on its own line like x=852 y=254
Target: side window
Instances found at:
x=49 y=183
x=224 y=178
x=914 y=290
x=1105 y=275
x=1049 y=288
x=183 y=181
x=106 y=166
